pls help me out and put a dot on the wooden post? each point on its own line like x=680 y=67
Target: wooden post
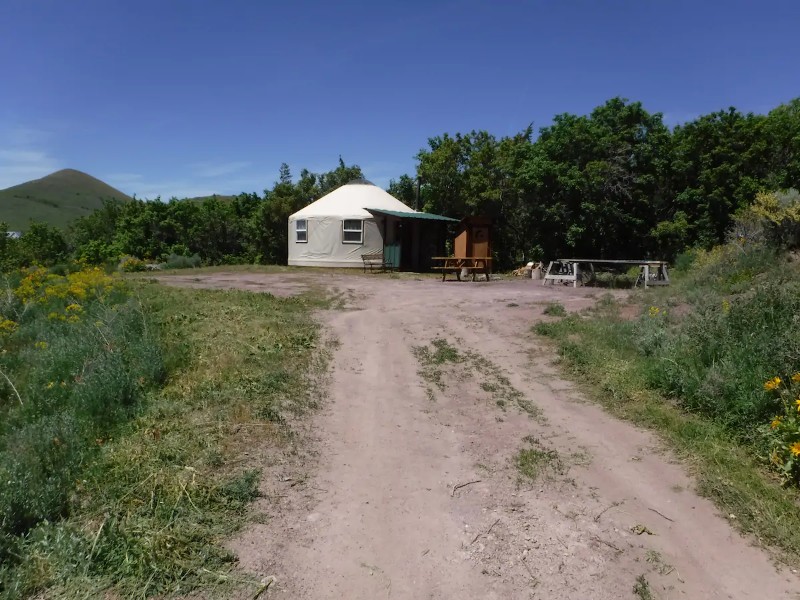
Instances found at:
x=544 y=279
x=646 y=274
x=576 y=274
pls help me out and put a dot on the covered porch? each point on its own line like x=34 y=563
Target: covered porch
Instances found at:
x=411 y=239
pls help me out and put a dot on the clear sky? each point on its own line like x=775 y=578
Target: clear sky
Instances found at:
x=189 y=97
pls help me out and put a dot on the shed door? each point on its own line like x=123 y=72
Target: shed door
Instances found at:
x=480 y=241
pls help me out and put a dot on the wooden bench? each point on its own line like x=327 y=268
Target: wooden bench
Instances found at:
x=374 y=260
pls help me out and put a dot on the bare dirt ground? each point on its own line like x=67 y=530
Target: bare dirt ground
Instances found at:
x=373 y=509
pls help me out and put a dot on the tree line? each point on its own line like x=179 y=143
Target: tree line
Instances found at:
x=616 y=183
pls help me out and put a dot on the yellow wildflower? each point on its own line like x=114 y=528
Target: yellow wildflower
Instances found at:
x=50 y=385
x=797 y=404
x=726 y=307
x=776 y=422
x=39 y=286
x=74 y=307
x=7 y=326
x=795 y=449
x=654 y=311
x=30 y=285
x=41 y=345
x=796 y=378
x=772 y=384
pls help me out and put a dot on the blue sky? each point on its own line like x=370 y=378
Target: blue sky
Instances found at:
x=189 y=97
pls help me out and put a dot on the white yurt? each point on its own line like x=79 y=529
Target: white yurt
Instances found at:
x=360 y=218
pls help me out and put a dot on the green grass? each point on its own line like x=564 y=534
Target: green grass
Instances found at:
x=534 y=461
x=154 y=502
x=695 y=375
x=555 y=309
x=641 y=589
x=57 y=199
x=433 y=358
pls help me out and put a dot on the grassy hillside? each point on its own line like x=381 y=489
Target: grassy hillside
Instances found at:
x=57 y=199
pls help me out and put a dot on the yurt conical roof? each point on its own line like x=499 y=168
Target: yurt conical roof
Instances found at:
x=351 y=201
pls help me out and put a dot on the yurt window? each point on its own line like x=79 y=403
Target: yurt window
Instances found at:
x=301 y=230
x=352 y=231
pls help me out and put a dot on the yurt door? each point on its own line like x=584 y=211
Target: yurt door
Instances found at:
x=391 y=254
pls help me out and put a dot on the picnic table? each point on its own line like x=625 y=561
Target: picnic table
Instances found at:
x=651 y=272
x=457 y=264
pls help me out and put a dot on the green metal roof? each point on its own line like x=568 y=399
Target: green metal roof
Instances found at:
x=412 y=215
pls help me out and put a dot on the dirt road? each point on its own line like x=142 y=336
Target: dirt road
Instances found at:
x=379 y=512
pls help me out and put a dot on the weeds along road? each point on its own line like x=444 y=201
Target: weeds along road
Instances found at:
x=449 y=461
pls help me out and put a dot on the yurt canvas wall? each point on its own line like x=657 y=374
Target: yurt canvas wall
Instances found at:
x=325 y=243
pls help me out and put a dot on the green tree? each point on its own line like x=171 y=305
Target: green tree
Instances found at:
x=781 y=133
x=404 y=189
x=269 y=223
x=9 y=250
x=599 y=181
x=43 y=244
x=93 y=236
x=477 y=174
x=592 y=185
x=720 y=162
x=342 y=174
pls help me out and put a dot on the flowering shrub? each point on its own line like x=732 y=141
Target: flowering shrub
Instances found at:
x=7 y=326
x=783 y=433
x=651 y=331
x=75 y=358
x=779 y=213
x=61 y=296
x=131 y=264
x=705 y=258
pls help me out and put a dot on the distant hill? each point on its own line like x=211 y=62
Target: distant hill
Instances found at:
x=57 y=199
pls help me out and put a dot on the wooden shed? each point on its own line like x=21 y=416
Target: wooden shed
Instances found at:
x=474 y=239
